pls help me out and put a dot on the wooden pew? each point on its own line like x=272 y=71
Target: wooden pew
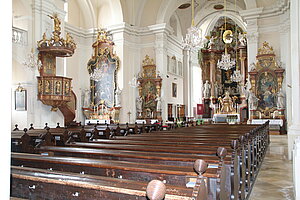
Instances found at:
x=36 y=183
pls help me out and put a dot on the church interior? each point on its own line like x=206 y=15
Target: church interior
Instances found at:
x=154 y=99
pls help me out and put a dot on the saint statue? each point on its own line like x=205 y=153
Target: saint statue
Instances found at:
x=57 y=87
x=206 y=90
x=216 y=89
x=252 y=101
x=118 y=97
x=86 y=101
x=139 y=105
x=280 y=99
x=158 y=103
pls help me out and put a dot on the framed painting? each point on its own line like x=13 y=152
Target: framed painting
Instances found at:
x=174 y=90
x=20 y=99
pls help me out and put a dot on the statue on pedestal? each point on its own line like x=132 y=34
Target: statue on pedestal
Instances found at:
x=280 y=99
x=252 y=101
x=139 y=106
x=206 y=90
x=118 y=97
x=158 y=103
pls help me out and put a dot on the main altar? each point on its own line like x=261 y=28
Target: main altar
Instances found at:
x=223 y=61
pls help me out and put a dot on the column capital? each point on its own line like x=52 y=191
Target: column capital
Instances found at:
x=252 y=37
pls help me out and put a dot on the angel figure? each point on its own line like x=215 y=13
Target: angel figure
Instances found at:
x=211 y=43
x=242 y=39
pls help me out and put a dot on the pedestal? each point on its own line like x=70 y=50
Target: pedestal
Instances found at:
x=207 y=111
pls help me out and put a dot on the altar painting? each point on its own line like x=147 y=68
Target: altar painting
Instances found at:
x=105 y=87
x=149 y=95
x=266 y=91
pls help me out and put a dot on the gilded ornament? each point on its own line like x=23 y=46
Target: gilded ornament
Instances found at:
x=148 y=61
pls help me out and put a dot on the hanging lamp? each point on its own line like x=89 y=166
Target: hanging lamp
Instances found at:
x=193 y=38
x=236 y=76
x=226 y=63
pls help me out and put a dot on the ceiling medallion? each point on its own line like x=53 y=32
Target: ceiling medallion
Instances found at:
x=218 y=7
x=184 y=6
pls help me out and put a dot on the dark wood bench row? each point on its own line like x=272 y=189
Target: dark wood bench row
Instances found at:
x=244 y=158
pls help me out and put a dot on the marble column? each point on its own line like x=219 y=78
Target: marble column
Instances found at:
x=294 y=127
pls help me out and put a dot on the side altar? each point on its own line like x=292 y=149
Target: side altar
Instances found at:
x=148 y=103
x=102 y=101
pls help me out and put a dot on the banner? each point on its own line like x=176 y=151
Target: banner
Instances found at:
x=200 y=109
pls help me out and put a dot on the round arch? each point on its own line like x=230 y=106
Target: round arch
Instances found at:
x=210 y=21
x=166 y=9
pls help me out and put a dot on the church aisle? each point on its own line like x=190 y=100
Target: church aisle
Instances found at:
x=275 y=179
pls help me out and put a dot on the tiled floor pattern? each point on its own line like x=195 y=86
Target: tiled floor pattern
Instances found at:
x=275 y=179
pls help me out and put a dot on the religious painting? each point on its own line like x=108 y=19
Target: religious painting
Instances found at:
x=174 y=90
x=266 y=91
x=105 y=86
x=149 y=96
x=20 y=99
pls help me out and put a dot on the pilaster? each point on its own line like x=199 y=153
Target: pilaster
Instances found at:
x=251 y=17
x=294 y=126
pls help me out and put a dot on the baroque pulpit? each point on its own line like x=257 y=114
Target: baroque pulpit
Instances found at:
x=56 y=91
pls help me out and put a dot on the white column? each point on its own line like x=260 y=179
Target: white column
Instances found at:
x=161 y=62
x=294 y=127
x=285 y=58
x=187 y=80
x=251 y=18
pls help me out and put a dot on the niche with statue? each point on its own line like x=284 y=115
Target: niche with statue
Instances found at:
x=102 y=101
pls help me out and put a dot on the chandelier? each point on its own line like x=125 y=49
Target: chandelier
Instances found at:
x=96 y=75
x=226 y=63
x=193 y=38
x=32 y=62
x=236 y=76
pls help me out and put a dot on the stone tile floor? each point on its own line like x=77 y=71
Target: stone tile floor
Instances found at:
x=275 y=179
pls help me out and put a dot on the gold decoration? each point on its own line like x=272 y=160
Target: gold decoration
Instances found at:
x=265 y=49
x=56 y=40
x=148 y=61
x=227 y=36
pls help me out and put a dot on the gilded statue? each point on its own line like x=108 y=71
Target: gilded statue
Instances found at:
x=40 y=86
x=57 y=22
x=43 y=42
x=226 y=103
x=57 y=87
x=47 y=87
x=67 y=87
